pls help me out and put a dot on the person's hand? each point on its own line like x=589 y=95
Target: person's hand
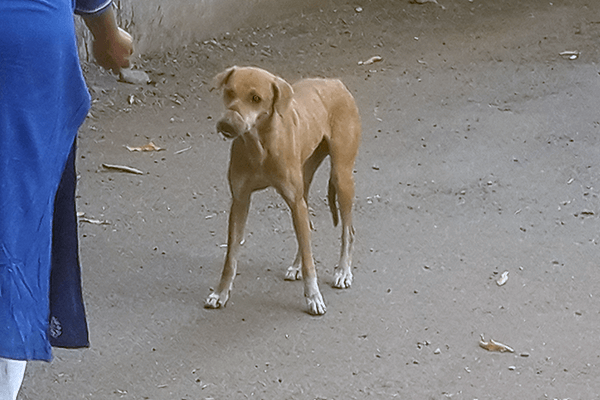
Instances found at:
x=112 y=46
x=113 y=53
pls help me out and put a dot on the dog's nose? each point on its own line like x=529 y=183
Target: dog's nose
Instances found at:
x=226 y=129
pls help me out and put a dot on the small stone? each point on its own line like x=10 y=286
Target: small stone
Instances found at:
x=524 y=354
x=135 y=77
x=437 y=351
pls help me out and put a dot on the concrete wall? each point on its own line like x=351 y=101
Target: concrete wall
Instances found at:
x=158 y=25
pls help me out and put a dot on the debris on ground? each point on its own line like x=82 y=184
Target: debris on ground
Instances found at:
x=427 y=1
x=123 y=168
x=148 y=147
x=183 y=150
x=371 y=60
x=503 y=279
x=570 y=54
x=135 y=77
x=82 y=218
x=492 y=345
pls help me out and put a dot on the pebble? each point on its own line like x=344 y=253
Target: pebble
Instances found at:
x=503 y=279
x=135 y=77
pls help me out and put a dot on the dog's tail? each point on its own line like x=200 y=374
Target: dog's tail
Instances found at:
x=332 y=199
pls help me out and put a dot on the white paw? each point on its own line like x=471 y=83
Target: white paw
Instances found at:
x=316 y=305
x=342 y=279
x=293 y=274
x=214 y=300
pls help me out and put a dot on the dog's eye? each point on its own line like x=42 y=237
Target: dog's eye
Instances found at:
x=256 y=99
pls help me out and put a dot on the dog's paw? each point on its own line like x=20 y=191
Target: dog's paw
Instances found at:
x=293 y=274
x=342 y=279
x=214 y=300
x=316 y=305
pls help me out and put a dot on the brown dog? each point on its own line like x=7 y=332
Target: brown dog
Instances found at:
x=281 y=135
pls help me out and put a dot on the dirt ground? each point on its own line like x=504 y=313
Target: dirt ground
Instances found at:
x=480 y=154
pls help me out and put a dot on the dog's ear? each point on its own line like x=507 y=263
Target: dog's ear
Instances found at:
x=282 y=95
x=222 y=78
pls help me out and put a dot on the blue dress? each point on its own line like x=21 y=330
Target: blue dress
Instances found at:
x=43 y=101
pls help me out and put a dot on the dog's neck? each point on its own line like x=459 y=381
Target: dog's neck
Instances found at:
x=255 y=146
x=260 y=140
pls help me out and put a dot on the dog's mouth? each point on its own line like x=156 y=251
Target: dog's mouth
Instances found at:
x=233 y=124
x=226 y=129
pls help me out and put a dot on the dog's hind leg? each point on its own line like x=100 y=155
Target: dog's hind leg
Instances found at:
x=343 y=154
x=237 y=221
x=343 y=181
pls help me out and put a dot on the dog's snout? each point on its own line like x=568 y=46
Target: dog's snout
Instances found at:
x=231 y=125
x=226 y=129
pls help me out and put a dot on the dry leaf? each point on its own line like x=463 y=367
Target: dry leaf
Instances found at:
x=371 y=60
x=427 y=1
x=492 y=345
x=123 y=168
x=148 y=147
x=94 y=221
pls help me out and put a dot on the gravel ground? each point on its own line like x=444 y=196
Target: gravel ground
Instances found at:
x=480 y=155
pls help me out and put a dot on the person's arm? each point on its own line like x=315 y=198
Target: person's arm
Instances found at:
x=112 y=46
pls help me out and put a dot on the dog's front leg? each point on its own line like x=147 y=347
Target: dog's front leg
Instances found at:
x=237 y=221
x=300 y=218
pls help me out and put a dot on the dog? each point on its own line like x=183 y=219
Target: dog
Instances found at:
x=281 y=134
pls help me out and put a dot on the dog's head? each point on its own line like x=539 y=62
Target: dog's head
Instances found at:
x=252 y=96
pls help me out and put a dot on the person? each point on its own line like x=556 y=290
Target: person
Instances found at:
x=43 y=102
